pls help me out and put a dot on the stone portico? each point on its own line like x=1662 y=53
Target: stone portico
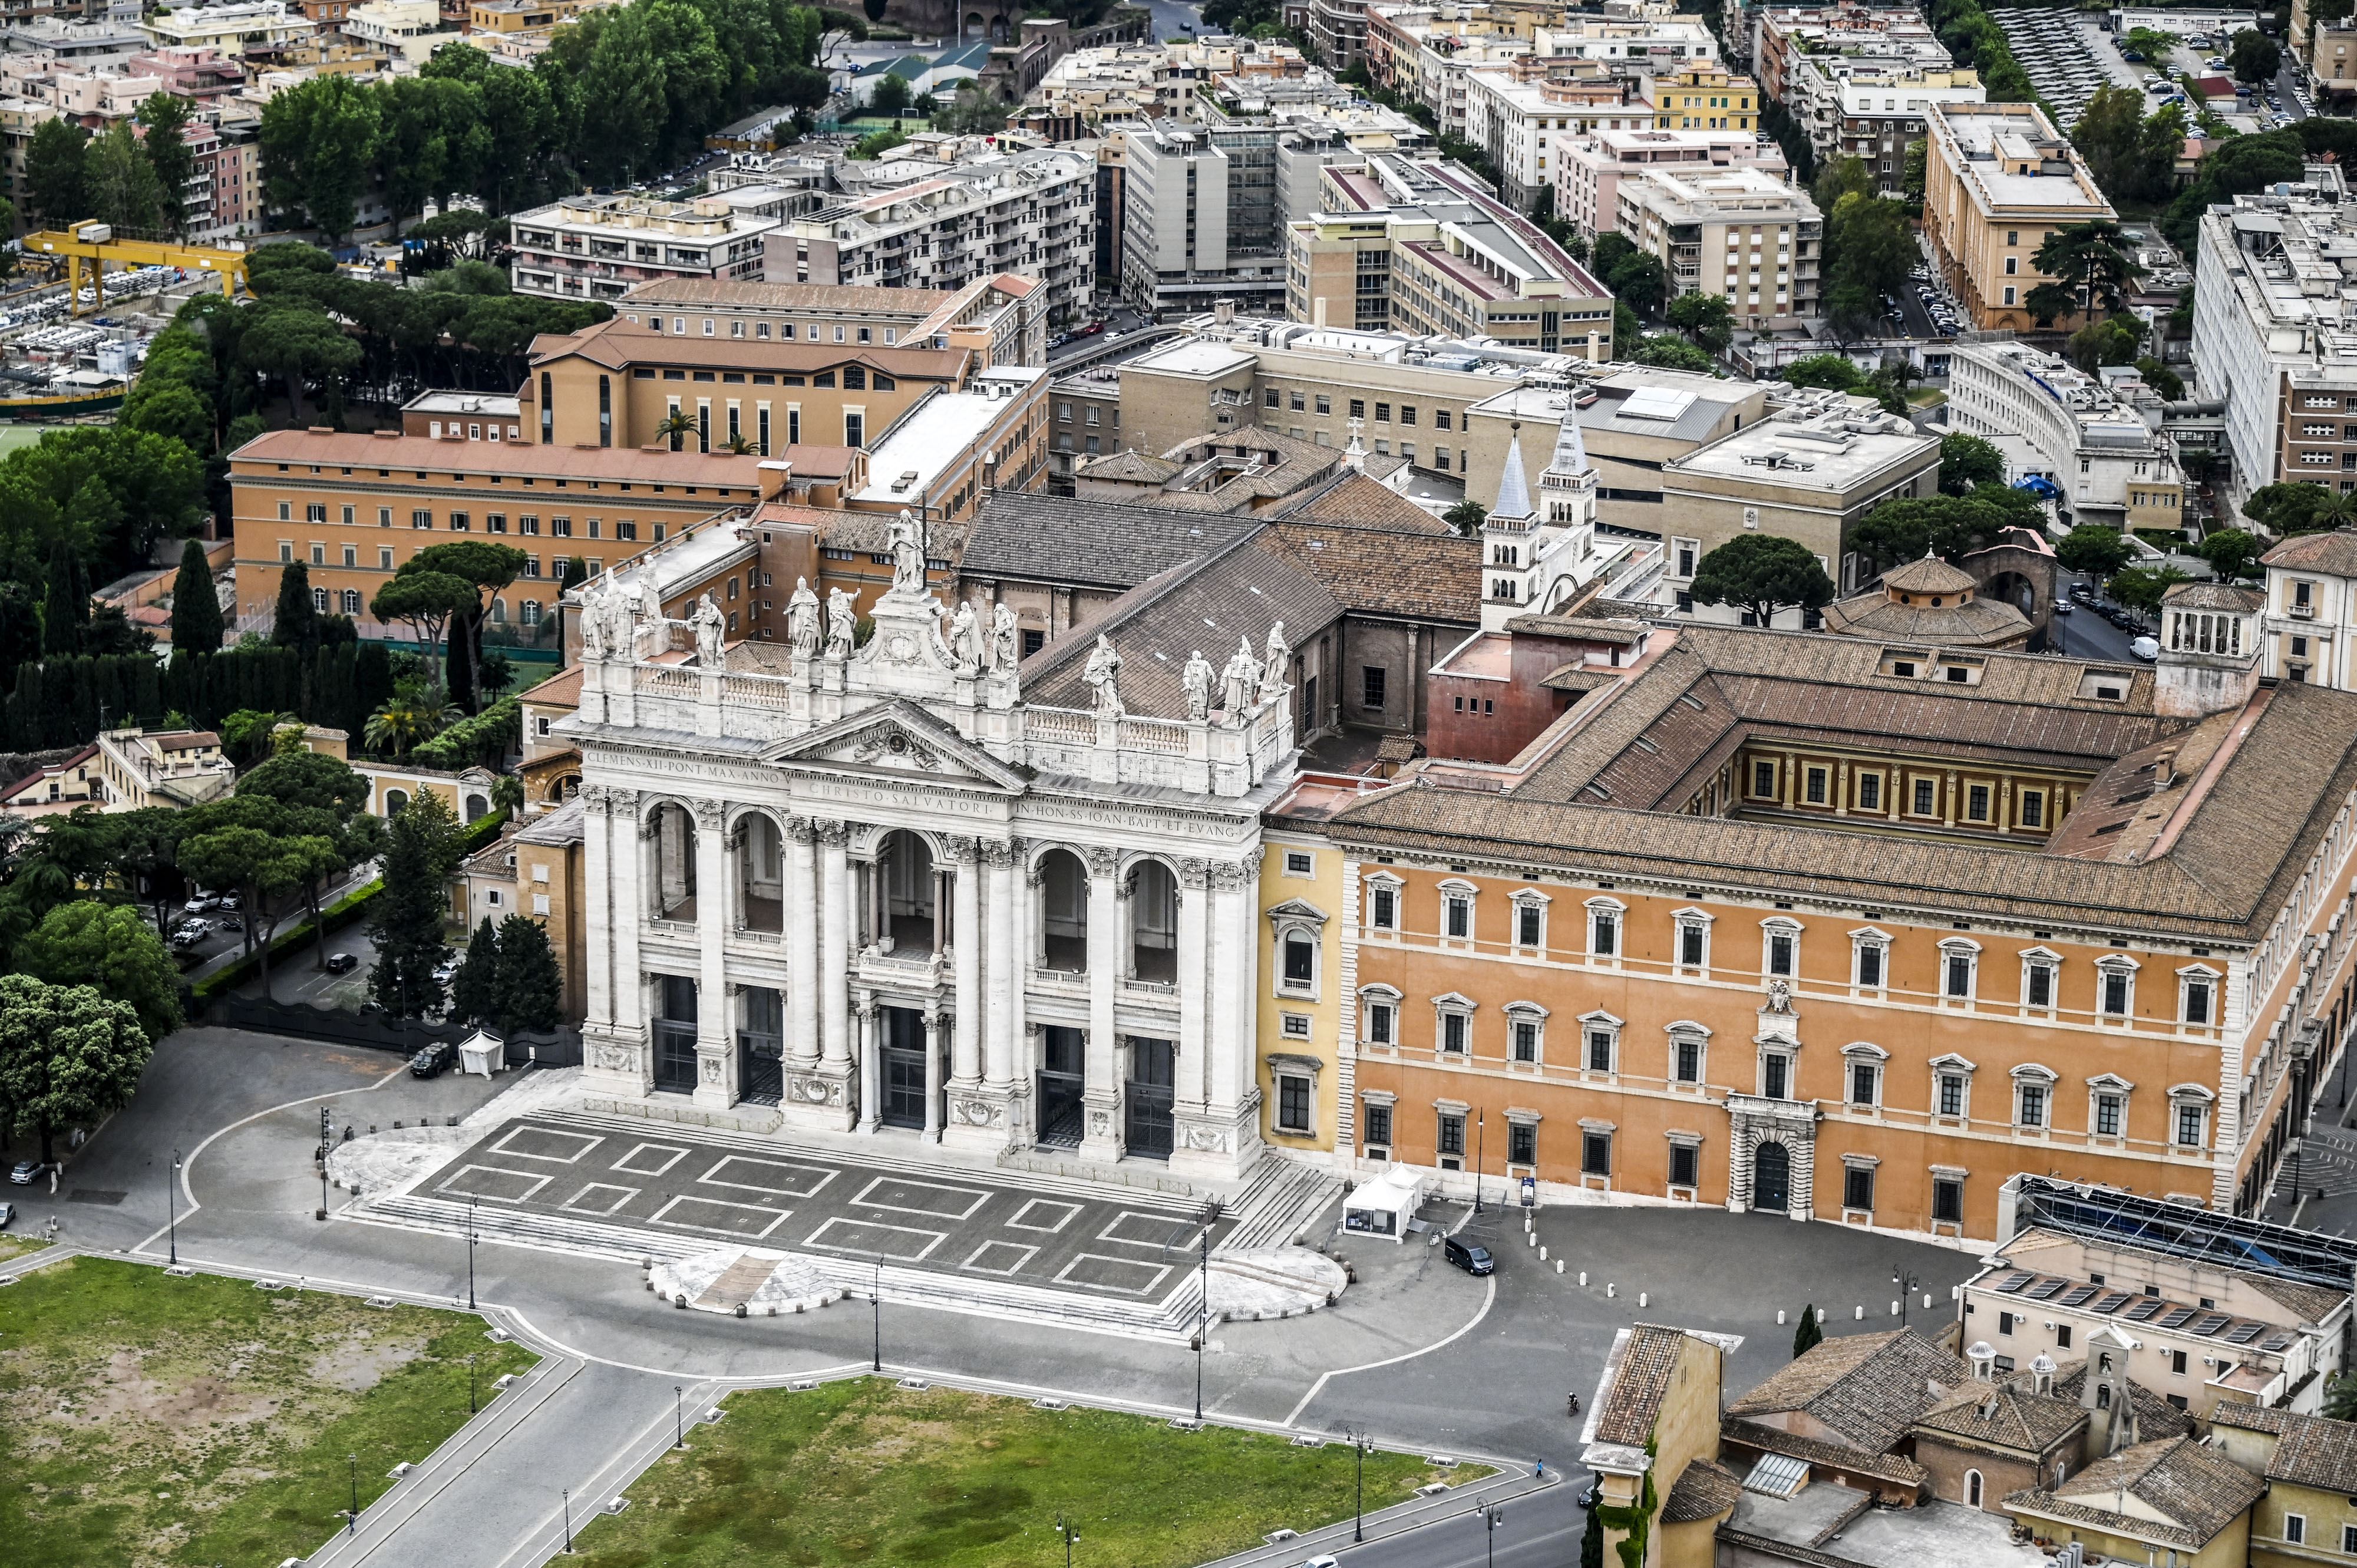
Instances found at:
x=870 y=883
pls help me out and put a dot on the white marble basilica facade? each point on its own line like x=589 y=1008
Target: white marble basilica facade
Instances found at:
x=876 y=887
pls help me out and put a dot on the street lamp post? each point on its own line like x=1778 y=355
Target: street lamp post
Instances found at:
x=473 y=1208
x=1480 y=1149
x=1202 y=1315
x=471 y=1409
x=1359 y=1452
x=1071 y=1537
x=1908 y=1284
x=352 y=1520
x=568 y=1520
x=1491 y=1513
x=875 y=1309
x=679 y=1416
x=172 y=1202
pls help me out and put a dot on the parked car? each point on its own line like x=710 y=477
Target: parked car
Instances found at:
x=26 y=1171
x=430 y=1061
x=1466 y=1255
x=2061 y=606
x=200 y=903
x=7 y=1215
x=2146 y=649
x=342 y=963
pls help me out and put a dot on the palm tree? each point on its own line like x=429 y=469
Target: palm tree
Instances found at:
x=737 y=446
x=405 y=720
x=675 y=424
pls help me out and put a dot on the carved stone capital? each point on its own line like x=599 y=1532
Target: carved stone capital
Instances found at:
x=831 y=832
x=1101 y=860
x=1228 y=877
x=596 y=800
x=1194 y=871
x=801 y=829
x=999 y=853
x=708 y=812
x=962 y=849
x=1251 y=858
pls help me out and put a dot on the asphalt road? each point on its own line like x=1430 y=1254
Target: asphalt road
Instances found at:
x=1538 y=1530
x=2089 y=635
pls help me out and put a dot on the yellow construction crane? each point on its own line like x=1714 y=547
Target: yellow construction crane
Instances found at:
x=95 y=245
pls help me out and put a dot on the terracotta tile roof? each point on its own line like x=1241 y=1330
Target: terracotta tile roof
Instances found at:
x=1136 y=467
x=1929 y=576
x=2195 y=1491
x=618 y=343
x=1965 y=623
x=2333 y=553
x=1869 y=1388
x=1646 y=1360
x=1585 y=628
x=1410 y=574
x=2003 y=1415
x=738 y=478
x=1704 y=1489
x=1024 y=537
x=1352 y=497
x=1896 y=1468
x=871 y=531
x=562 y=690
x=2239 y=835
x=2155 y=1417
x=2312 y=1450
x=2225 y=596
x=2315 y=1304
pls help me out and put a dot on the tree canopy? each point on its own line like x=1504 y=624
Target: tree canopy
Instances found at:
x=69 y=1056
x=107 y=947
x=1761 y=573
x=1966 y=461
x=2094 y=551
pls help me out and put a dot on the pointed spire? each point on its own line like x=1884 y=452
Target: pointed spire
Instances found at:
x=1514 y=489
x=1570 y=444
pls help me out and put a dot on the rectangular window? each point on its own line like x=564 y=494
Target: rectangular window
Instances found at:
x=2116 y=993
x=1596 y=1154
x=1599 y=1050
x=1779 y=953
x=2005 y=1322
x=2197 y=1001
x=2042 y=985
x=1926 y=797
x=1460 y=916
x=1689 y=1053
x=2188 y=1126
x=1763 y=778
x=1606 y=935
x=1379 y=1125
x=1521 y=1143
x=1373 y=685
x=1451 y=1139
x=1976 y=803
x=1812 y=788
x=1869 y=791
x=1690 y=944
x=1862 y=1080
x=1526 y=925
x=1960 y=974
x=1947 y=1200
x=1869 y=965
x=1775 y=1074
x=1379 y=1024
x=2107 y=1116
x=1386 y=908
x=1685 y=1161
x=1293 y=1104
x=2033 y=1105
x=1857 y=1187
x=1452 y=1032
x=2295 y=1530
x=1527 y=1040
x=2033 y=809
x=1952 y=1094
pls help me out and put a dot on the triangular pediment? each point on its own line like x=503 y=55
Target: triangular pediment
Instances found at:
x=898 y=738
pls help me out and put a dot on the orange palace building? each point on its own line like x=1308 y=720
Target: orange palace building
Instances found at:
x=1812 y=925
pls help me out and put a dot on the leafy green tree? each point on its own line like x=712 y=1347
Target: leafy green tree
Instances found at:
x=2094 y=551
x=2340 y=1399
x=1806 y=1335
x=323 y=799
x=164 y=117
x=970 y=112
x=245 y=845
x=2253 y=57
x=66 y=611
x=421 y=848
x=2232 y=553
x=427 y=602
x=298 y=343
x=2092 y=268
x=1591 y=1539
x=1836 y=372
x=475 y=989
x=876 y=143
x=121 y=184
x=69 y=1056
x=1966 y=461
x=2163 y=381
x=246 y=734
x=53 y=172
x=1673 y=353
x=318 y=142
x=1760 y=573
x=407 y=720
x=110 y=948
x=2288 y=507
x=1839 y=177
x=1917 y=172
x=142 y=848
x=891 y=94
x=2141 y=587
x=296 y=622
x=530 y=991
x=196 y=606
x=1466 y=517
x=1904 y=528
x=2133 y=156
x=2111 y=341
x=1707 y=318
x=486 y=568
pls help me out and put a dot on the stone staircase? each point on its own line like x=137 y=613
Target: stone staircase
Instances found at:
x=1278 y=1199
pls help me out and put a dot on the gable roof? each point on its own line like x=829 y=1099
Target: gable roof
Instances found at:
x=1869 y=1388
x=2311 y=1450
x=928 y=745
x=1384 y=571
x=1024 y=536
x=2333 y=551
x=2004 y=1415
x=1704 y=1489
x=1350 y=497
x=1643 y=1363
x=2196 y=1490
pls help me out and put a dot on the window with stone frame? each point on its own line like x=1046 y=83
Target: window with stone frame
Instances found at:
x=1377 y=1121
x=1960 y=969
x=1694 y=940
x=1450 y=1137
x=2116 y=986
x=1780 y=948
x=1604 y=928
x=1381 y=1015
x=1383 y=902
x=1521 y=1142
x=1869 y=959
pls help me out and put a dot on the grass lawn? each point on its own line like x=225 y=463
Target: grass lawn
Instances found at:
x=151 y=1420
x=14 y=1244
x=1925 y=397
x=15 y=436
x=861 y=1472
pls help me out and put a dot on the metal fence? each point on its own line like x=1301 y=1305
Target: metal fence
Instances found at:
x=379 y=1032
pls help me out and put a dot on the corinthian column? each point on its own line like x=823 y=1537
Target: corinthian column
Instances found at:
x=715 y=1067
x=801 y=897
x=966 y=1041
x=1102 y=1095
x=835 y=945
x=1004 y=981
x=597 y=876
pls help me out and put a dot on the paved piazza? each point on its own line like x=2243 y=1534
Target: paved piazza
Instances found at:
x=955 y=1222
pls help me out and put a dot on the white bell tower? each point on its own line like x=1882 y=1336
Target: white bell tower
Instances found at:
x=1510 y=544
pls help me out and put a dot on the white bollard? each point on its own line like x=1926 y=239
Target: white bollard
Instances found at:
x=1644 y=1298
x=1927 y=1301
x=1780 y=1317
x=1821 y=1316
x=1956 y=1292
x=1861 y=1313
x=1610 y=1291
x=1542 y=1251
x=1533 y=1241
x=1583 y=1279
x=1894 y=1309
x=1558 y=1265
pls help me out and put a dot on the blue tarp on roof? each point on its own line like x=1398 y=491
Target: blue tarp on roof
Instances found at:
x=2043 y=489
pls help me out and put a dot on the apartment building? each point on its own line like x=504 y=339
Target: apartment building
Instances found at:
x=1704 y=97
x=1998 y=178
x=1782 y=38
x=1205 y=210
x=2269 y=334
x=2097 y=439
x=237 y=28
x=1419 y=246
x=1589 y=171
x=599 y=247
x=1876 y=116
x=1634 y=421
x=135 y=769
x=1523 y=122
x=956 y=445
x=2310 y=607
x=354 y=505
x=404 y=30
x=1740 y=232
x=1000 y=320
x=1425 y=53
x=617 y=384
x=945 y=225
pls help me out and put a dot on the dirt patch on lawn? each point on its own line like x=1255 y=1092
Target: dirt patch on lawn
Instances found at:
x=362 y=1359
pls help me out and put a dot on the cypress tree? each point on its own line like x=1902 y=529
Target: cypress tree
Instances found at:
x=196 y=607
x=1808 y=1334
x=67 y=608
x=421 y=850
x=20 y=631
x=530 y=991
x=148 y=691
x=298 y=622
x=475 y=989
x=372 y=679
x=82 y=694
x=1591 y=1542
x=25 y=710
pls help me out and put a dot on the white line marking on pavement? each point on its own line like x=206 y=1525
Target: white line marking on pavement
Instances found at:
x=506 y=1146
x=777 y=1216
x=1488 y=1299
x=189 y=1195
x=674 y=1150
x=856 y=1224
x=903 y=1186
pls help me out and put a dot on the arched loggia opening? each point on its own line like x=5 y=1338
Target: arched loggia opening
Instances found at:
x=1063 y=913
x=1154 y=923
x=906 y=891
x=760 y=869
x=674 y=864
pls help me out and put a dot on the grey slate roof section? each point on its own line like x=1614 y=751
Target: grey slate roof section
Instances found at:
x=1024 y=537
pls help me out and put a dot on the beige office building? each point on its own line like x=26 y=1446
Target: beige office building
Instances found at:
x=1998 y=178
x=1740 y=232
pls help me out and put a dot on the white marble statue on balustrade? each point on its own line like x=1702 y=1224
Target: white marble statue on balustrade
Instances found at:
x=1196 y=679
x=1103 y=677
x=1003 y=640
x=593 y=621
x=646 y=610
x=841 y=624
x=802 y=620
x=1274 y=664
x=1240 y=681
x=711 y=629
x=965 y=639
x=908 y=549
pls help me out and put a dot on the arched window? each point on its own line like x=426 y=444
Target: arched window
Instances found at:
x=1972 y=1488
x=351 y=597
x=532 y=612
x=498 y=612
x=394 y=800
x=319 y=600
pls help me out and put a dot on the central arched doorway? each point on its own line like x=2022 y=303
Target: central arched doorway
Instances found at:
x=1772 y=1179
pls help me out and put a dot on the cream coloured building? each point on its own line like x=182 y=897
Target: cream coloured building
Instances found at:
x=1589 y=171
x=2098 y=440
x=1740 y=232
x=1998 y=178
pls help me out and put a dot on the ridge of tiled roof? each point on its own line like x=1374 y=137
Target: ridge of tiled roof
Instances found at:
x=2333 y=551
x=1028 y=536
x=1896 y=1468
x=2197 y=1490
x=1647 y=1358
x=1868 y=1387
x=1352 y=499
x=1704 y=1489
x=1384 y=571
x=2311 y=1450
x=619 y=341
x=2004 y=1415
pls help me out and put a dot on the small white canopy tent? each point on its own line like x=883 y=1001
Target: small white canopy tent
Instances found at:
x=482 y=1053
x=1384 y=1207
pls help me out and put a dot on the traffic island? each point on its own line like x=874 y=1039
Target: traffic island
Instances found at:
x=865 y=1471
x=150 y=1418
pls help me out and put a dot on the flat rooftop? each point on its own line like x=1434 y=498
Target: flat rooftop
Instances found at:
x=1820 y=452
x=938 y=432
x=1930 y=1535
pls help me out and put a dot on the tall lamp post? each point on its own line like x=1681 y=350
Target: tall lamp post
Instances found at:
x=352 y=1520
x=679 y=1416
x=471 y=1407
x=568 y=1520
x=172 y=1202
x=1071 y=1537
x=1908 y=1284
x=876 y=1307
x=1480 y=1149
x=473 y=1208
x=1492 y=1515
x=1202 y=1312
x=1360 y=1444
